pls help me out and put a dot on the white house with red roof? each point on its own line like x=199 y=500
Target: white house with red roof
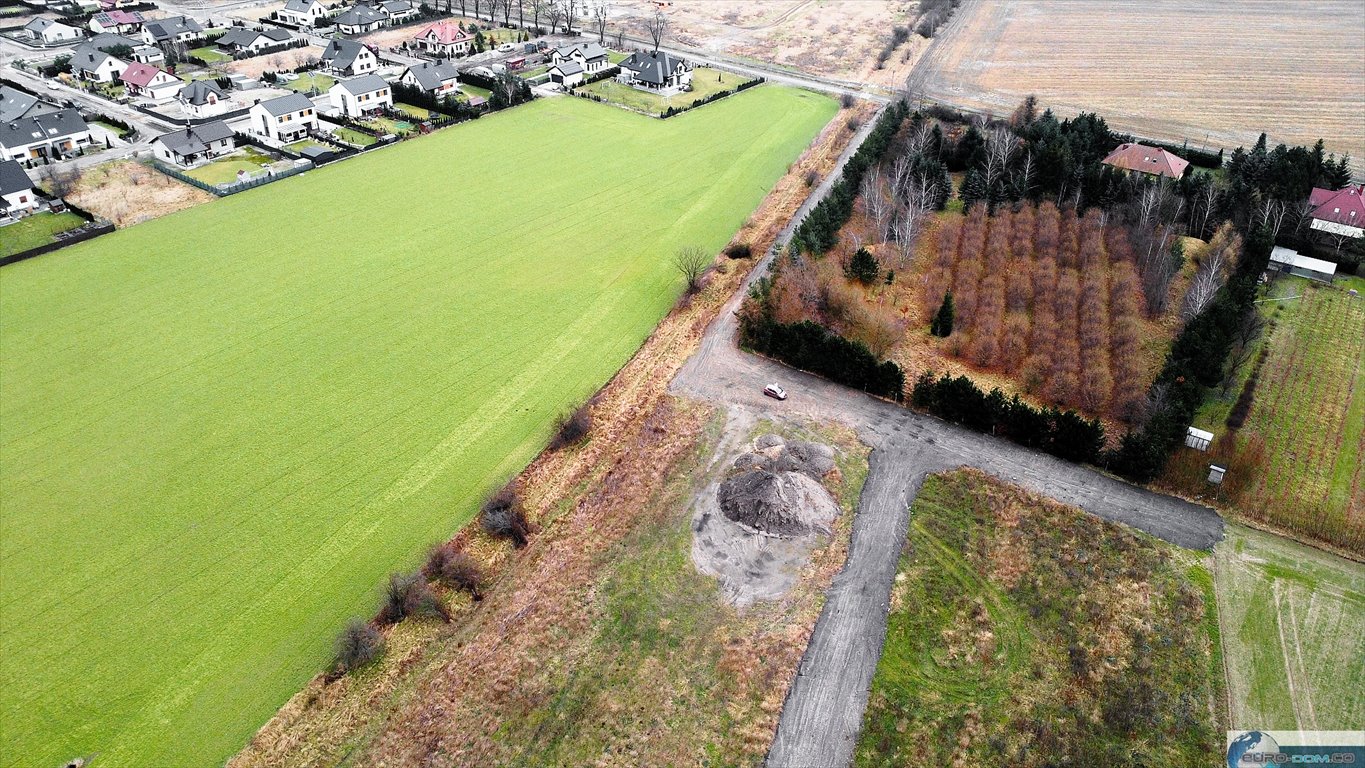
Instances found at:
x=119 y=22
x=1340 y=212
x=1141 y=158
x=446 y=39
x=150 y=82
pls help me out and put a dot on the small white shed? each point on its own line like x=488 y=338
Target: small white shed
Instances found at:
x=1285 y=260
x=1198 y=439
x=1216 y=474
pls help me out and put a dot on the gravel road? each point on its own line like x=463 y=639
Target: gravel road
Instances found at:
x=823 y=712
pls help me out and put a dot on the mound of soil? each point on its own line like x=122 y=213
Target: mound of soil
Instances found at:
x=775 y=455
x=785 y=503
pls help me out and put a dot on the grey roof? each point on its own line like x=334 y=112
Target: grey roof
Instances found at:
x=362 y=84
x=166 y=29
x=430 y=75
x=49 y=125
x=106 y=40
x=13 y=178
x=591 y=51
x=653 y=67
x=287 y=104
x=15 y=104
x=568 y=67
x=89 y=58
x=188 y=141
x=393 y=7
x=241 y=37
x=38 y=24
x=359 y=15
x=342 y=53
x=197 y=92
x=299 y=6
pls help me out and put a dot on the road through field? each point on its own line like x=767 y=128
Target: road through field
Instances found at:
x=221 y=430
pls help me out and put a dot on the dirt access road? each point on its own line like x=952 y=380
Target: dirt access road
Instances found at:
x=823 y=712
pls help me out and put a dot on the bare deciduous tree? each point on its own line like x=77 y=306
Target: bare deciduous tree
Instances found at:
x=599 y=17
x=691 y=261
x=570 y=15
x=60 y=181
x=1243 y=347
x=1271 y=213
x=554 y=13
x=1222 y=251
x=1000 y=147
x=658 y=28
x=876 y=200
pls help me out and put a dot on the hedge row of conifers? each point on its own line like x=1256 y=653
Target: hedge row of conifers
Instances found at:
x=812 y=347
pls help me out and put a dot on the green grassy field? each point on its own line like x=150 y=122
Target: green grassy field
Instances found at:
x=705 y=82
x=224 y=171
x=36 y=230
x=1293 y=621
x=1022 y=630
x=220 y=429
x=354 y=137
x=309 y=80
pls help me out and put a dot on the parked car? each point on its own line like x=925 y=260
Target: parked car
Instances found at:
x=775 y=392
x=507 y=47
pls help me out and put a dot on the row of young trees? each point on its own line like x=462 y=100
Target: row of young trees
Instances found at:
x=1047 y=297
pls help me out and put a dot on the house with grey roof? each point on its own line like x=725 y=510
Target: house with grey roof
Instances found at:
x=656 y=71
x=566 y=72
x=288 y=118
x=302 y=13
x=15 y=104
x=58 y=134
x=203 y=98
x=439 y=79
x=16 y=190
x=249 y=42
x=361 y=96
x=195 y=144
x=348 y=58
x=591 y=57
x=398 y=11
x=359 y=19
x=50 y=31
x=111 y=43
x=90 y=63
x=175 y=29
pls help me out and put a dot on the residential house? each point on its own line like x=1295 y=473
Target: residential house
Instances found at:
x=656 y=71
x=118 y=22
x=359 y=19
x=203 y=98
x=47 y=135
x=445 y=39
x=1153 y=161
x=49 y=31
x=115 y=44
x=566 y=72
x=348 y=58
x=176 y=29
x=288 y=118
x=240 y=40
x=590 y=56
x=438 y=79
x=302 y=13
x=398 y=11
x=149 y=82
x=1338 y=212
x=15 y=104
x=361 y=96
x=89 y=63
x=16 y=191
x=188 y=146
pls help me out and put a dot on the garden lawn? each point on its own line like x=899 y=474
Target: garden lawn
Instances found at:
x=705 y=82
x=220 y=430
x=307 y=80
x=224 y=171
x=36 y=230
x=354 y=137
x=210 y=54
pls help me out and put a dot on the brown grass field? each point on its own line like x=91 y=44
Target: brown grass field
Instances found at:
x=1212 y=72
x=127 y=193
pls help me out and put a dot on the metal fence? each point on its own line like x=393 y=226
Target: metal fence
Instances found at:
x=223 y=190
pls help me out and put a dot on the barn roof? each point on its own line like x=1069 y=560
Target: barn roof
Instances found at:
x=1343 y=206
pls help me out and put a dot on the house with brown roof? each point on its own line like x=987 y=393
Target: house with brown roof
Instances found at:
x=1339 y=212
x=150 y=82
x=1140 y=158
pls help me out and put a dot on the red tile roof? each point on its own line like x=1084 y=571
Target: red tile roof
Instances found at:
x=1145 y=159
x=446 y=32
x=1343 y=206
x=139 y=74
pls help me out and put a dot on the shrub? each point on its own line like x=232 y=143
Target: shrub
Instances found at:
x=572 y=428
x=853 y=123
x=502 y=516
x=811 y=178
x=454 y=568
x=358 y=645
x=863 y=267
x=408 y=594
x=738 y=250
x=846 y=100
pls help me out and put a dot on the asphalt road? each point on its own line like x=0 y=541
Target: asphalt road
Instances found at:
x=823 y=713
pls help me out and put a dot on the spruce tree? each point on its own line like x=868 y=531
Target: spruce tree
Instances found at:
x=863 y=267
x=942 y=324
x=973 y=189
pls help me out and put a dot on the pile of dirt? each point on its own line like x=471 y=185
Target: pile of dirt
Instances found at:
x=777 y=503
